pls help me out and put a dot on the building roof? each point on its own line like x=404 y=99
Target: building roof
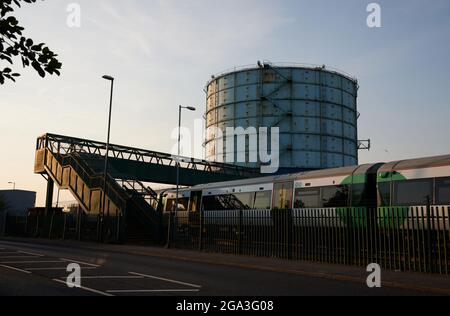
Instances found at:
x=16 y=191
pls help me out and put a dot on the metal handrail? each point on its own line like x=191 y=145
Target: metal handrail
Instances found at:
x=284 y=64
x=119 y=193
x=145 y=190
x=153 y=215
x=90 y=178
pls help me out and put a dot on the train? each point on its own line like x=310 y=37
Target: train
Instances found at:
x=410 y=193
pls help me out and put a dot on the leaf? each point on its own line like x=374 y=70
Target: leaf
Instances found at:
x=37 y=47
x=12 y=20
x=7 y=58
x=38 y=68
x=13 y=43
x=25 y=62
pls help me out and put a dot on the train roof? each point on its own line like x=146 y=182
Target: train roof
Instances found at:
x=251 y=181
x=420 y=163
x=325 y=173
x=337 y=172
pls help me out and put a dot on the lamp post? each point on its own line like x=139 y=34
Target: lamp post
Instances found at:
x=14 y=185
x=105 y=173
x=169 y=237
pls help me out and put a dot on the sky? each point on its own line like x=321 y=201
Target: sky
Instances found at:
x=163 y=52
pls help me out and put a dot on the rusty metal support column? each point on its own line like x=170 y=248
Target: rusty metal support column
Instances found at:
x=43 y=227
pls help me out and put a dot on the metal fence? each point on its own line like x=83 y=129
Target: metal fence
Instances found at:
x=400 y=238
x=75 y=225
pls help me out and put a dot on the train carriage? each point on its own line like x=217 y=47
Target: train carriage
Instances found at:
x=415 y=193
x=340 y=197
x=395 y=213
x=397 y=194
x=335 y=192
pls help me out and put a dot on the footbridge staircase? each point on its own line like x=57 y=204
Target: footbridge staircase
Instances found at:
x=125 y=208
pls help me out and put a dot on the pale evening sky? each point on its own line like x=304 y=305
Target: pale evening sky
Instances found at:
x=163 y=52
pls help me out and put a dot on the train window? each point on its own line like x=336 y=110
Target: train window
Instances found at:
x=194 y=203
x=182 y=204
x=226 y=202
x=282 y=196
x=384 y=193
x=307 y=198
x=262 y=200
x=245 y=200
x=335 y=196
x=443 y=191
x=413 y=192
x=169 y=205
x=212 y=203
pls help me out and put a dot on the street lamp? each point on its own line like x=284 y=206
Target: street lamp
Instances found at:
x=105 y=173
x=14 y=184
x=190 y=108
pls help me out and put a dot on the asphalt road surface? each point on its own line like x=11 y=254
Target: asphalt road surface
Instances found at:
x=35 y=269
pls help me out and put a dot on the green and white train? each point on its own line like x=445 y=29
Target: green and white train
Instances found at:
x=400 y=193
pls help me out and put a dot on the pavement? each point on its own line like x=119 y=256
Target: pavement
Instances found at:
x=38 y=267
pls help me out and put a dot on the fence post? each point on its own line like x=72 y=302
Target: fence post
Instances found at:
x=64 y=227
x=200 y=237
x=118 y=233
x=446 y=229
x=240 y=233
x=50 y=229
x=78 y=223
x=99 y=226
x=429 y=259
x=290 y=231
x=36 y=233
x=348 y=237
x=3 y=231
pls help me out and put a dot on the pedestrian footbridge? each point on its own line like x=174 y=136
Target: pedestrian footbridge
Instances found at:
x=130 y=208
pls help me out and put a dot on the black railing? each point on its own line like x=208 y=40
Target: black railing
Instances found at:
x=75 y=225
x=114 y=192
x=399 y=238
x=402 y=238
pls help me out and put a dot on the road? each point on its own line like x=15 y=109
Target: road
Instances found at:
x=31 y=268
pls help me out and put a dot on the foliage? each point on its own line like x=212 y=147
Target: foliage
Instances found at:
x=14 y=44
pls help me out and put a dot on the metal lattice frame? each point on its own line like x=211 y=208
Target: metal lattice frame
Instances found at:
x=65 y=145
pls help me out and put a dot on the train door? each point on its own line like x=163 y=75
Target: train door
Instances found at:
x=282 y=195
x=194 y=201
